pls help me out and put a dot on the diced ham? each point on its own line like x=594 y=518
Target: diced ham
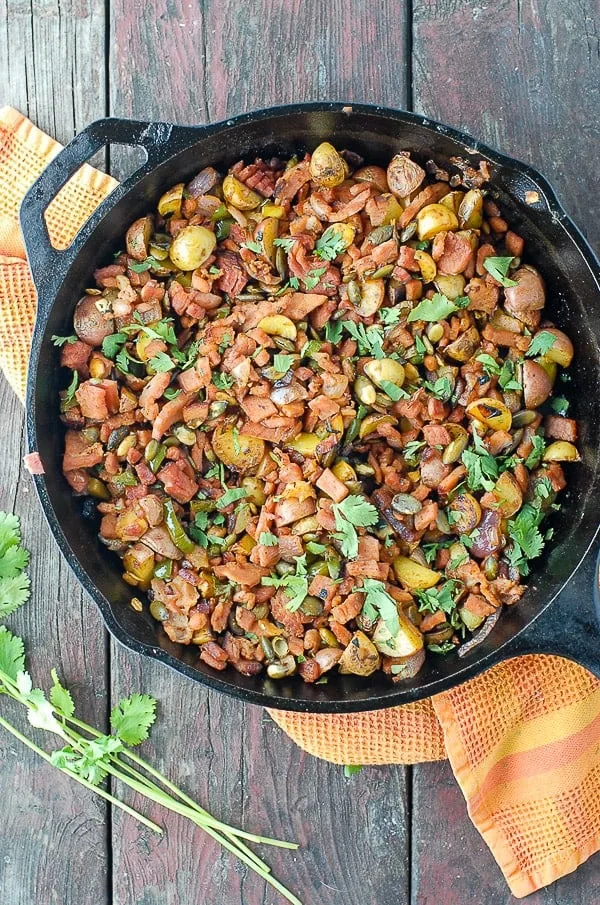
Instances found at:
x=178 y=482
x=169 y=414
x=153 y=391
x=300 y=304
x=244 y=574
x=79 y=453
x=451 y=252
x=478 y=605
x=349 y=609
x=233 y=277
x=77 y=479
x=292 y=510
x=436 y=435
x=290 y=547
x=76 y=356
x=257 y=409
x=190 y=381
x=560 y=428
x=92 y=401
x=332 y=486
x=483 y=295
x=433 y=470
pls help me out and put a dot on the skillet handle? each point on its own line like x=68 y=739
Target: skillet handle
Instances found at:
x=570 y=626
x=47 y=263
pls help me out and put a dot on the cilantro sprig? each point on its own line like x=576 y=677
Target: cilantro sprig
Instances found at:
x=498 y=268
x=89 y=756
x=295 y=586
x=378 y=603
x=352 y=513
x=14 y=559
x=435 y=309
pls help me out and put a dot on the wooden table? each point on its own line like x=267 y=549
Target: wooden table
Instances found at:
x=523 y=75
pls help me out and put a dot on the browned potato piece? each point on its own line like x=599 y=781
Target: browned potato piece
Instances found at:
x=361 y=657
x=467 y=513
x=404 y=175
x=91 y=325
x=509 y=494
x=562 y=351
x=528 y=295
x=138 y=238
x=240 y=453
x=537 y=385
x=374 y=175
x=464 y=347
x=327 y=167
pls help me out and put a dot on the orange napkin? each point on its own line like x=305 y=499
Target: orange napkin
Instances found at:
x=523 y=739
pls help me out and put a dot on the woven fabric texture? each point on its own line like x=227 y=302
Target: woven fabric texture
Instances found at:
x=523 y=739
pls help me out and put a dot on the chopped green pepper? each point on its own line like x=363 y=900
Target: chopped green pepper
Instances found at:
x=175 y=529
x=164 y=569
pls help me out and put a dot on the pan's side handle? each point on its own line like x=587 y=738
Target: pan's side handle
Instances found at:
x=45 y=261
x=570 y=626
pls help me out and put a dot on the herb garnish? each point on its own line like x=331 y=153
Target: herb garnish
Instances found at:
x=541 y=343
x=352 y=513
x=296 y=586
x=379 y=603
x=434 y=309
x=266 y=539
x=498 y=268
x=61 y=340
x=330 y=244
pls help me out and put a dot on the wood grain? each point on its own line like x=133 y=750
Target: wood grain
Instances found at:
x=353 y=832
x=524 y=76
x=53 y=832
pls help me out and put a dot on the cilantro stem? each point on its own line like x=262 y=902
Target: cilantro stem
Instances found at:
x=185 y=798
x=83 y=782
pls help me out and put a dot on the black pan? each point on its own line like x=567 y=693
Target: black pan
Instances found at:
x=557 y=613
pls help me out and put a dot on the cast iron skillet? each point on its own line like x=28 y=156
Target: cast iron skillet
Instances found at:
x=550 y=617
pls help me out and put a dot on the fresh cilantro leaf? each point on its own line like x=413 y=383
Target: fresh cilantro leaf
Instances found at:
x=441 y=389
x=10 y=531
x=370 y=339
x=482 y=468
x=13 y=561
x=40 y=712
x=70 y=391
x=393 y=391
x=560 y=405
x=132 y=717
x=225 y=343
x=171 y=393
x=122 y=361
x=355 y=511
x=112 y=344
x=390 y=316
x=313 y=277
x=296 y=586
x=434 y=309
x=214 y=271
x=283 y=363
x=541 y=343
x=310 y=347
x=253 y=246
x=351 y=769
x=286 y=242
x=232 y=495
x=535 y=456
x=444 y=648
x=294 y=283
x=441 y=598
x=330 y=244
x=60 y=697
x=379 y=603
x=490 y=365
x=498 y=268
x=222 y=381
x=14 y=592
x=333 y=331
x=162 y=363
x=61 y=340
x=457 y=561
x=506 y=376
x=527 y=540
x=420 y=347
x=12 y=654
x=430 y=550
x=266 y=539
x=463 y=301
x=141 y=266
x=412 y=450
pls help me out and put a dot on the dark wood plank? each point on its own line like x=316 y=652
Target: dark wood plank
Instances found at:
x=53 y=832
x=352 y=832
x=494 y=70
x=522 y=76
